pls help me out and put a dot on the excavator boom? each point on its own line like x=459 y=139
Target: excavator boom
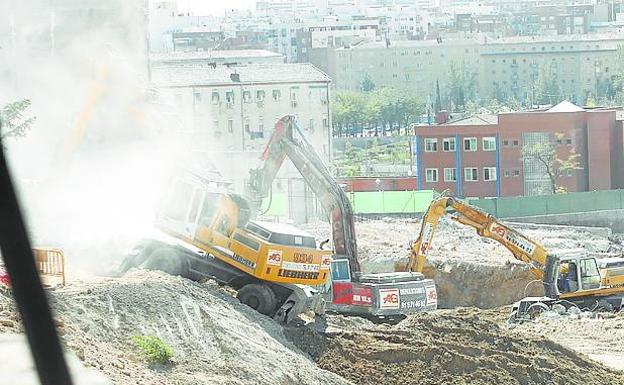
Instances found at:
x=388 y=295
x=311 y=167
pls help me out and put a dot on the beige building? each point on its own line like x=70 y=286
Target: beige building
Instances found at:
x=228 y=113
x=583 y=64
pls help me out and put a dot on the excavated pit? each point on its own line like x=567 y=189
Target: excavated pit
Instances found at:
x=469 y=270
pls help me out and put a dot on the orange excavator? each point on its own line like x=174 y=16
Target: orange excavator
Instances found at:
x=571 y=280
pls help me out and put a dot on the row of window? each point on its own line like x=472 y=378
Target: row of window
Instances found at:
x=257 y=131
x=471 y=174
x=470 y=144
x=260 y=96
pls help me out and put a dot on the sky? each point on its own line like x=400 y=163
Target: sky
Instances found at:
x=213 y=7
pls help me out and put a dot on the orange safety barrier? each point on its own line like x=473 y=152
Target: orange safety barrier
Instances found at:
x=50 y=263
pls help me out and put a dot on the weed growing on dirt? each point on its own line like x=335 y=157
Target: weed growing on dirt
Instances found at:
x=153 y=348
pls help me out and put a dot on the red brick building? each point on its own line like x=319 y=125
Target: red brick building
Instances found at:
x=481 y=156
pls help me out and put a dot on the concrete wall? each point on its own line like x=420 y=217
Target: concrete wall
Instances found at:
x=613 y=219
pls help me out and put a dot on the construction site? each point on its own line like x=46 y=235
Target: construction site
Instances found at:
x=158 y=226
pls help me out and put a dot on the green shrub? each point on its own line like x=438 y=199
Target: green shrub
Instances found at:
x=153 y=348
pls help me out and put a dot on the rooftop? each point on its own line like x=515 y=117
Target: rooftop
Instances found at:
x=215 y=54
x=249 y=74
x=475 y=120
x=565 y=106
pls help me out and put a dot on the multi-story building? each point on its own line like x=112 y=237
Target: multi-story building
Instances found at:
x=482 y=156
x=234 y=108
x=582 y=65
x=415 y=65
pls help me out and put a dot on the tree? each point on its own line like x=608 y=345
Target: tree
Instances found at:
x=618 y=79
x=438 y=101
x=367 y=84
x=462 y=81
x=348 y=110
x=546 y=87
x=12 y=119
x=546 y=155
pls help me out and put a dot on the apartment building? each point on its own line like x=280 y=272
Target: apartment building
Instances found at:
x=582 y=65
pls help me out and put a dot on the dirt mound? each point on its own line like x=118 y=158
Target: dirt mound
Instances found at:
x=463 y=346
x=215 y=339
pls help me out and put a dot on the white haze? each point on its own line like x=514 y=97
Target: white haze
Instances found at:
x=97 y=199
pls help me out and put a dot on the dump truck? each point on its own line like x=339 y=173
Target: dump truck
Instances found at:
x=381 y=296
x=569 y=279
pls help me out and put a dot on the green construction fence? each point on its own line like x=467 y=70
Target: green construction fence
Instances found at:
x=369 y=202
x=552 y=204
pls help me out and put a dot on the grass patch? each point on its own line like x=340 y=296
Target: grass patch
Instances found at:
x=153 y=348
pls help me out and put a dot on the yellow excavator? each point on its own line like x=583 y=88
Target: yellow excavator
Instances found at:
x=206 y=231
x=570 y=280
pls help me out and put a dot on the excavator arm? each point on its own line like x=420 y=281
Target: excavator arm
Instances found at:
x=285 y=144
x=485 y=224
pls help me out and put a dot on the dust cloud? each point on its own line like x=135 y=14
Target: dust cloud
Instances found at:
x=92 y=167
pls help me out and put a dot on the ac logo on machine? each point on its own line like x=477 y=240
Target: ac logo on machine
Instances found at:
x=389 y=299
x=274 y=257
x=514 y=238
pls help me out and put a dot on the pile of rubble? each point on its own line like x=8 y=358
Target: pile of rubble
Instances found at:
x=215 y=339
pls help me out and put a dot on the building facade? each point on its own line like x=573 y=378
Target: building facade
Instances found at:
x=482 y=156
x=581 y=65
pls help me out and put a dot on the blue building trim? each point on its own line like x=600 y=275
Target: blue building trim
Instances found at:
x=418 y=160
x=458 y=173
x=498 y=173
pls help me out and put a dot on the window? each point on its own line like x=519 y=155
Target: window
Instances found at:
x=247 y=96
x=293 y=94
x=449 y=175
x=340 y=270
x=569 y=172
x=197 y=97
x=516 y=173
x=431 y=175
x=230 y=126
x=311 y=125
x=516 y=143
x=489 y=143
x=277 y=94
x=325 y=125
x=448 y=144
x=471 y=174
x=229 y=96
x=569 y=141
x=431 y=144
x=215 y=97
x=506 y=173
x=246 y=124
x=260 y=95
x=489 y=173
x=470 y=144
x=506 y=143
